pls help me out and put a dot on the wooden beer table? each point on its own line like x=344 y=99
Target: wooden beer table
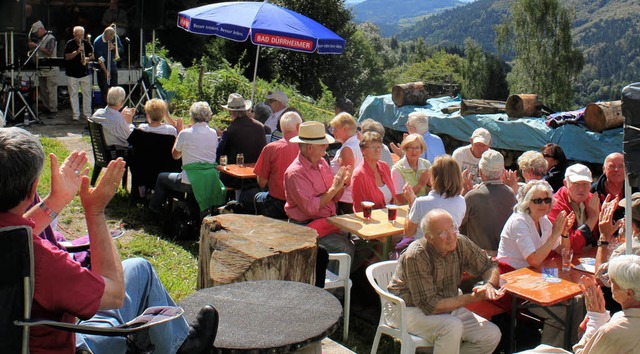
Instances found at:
x=245 y=171
x=378 y=229
x=529 y=285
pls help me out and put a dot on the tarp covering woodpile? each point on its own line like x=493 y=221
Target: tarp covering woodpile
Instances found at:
x=523 y=134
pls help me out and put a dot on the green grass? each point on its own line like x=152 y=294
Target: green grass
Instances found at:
x=175 y=261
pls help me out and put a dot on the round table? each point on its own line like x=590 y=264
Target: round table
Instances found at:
x=267 y=316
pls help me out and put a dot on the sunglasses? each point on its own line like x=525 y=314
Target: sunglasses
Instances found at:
x=539 y=201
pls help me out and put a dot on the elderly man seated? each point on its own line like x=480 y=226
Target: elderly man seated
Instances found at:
x=111 y=291
x=427 y=279
x=116 y=125
x=605 y=333
x=468 y=156
x=311 y=191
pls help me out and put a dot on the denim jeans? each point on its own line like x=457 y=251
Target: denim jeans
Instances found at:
x=166 y=182
x=269 y=206
x=143 y=289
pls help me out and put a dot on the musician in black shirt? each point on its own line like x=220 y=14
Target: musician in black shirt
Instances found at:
x=78 y=53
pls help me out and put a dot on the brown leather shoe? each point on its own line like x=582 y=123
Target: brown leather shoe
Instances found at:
x=202 y=333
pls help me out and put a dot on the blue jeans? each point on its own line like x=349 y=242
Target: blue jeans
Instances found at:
x=166 y=182
x=269 y=206
x=143 y=289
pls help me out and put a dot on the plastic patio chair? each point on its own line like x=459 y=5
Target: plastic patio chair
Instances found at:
x=392 y=311
x=341 y=280
x=16 y=296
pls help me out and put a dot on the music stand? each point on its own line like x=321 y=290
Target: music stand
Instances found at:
x=152 y=90
x=9 y=108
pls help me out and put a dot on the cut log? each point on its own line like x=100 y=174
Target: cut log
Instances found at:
x=240 y=247
x=468 y=107
x=603 y=115
x=523 y=105
x=412 y=93
x=417 y=93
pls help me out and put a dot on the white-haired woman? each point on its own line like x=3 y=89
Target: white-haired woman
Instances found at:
x=528 y=237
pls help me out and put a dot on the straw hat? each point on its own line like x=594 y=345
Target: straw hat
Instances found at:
x=312 y=133
x=236 y=102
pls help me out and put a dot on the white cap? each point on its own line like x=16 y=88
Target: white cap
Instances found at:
x=278 y=96
x=36 y=26
x=481 y=135
x=577 y=173
x=491 y=160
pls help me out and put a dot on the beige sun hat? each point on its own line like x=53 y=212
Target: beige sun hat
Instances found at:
x=236 y=102
x=578 y=172
x=312 y=133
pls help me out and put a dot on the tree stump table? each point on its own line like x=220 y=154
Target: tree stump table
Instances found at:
x=240 y=247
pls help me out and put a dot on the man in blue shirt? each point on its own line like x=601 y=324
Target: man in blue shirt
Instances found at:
x=418 y=123
x=107 y=49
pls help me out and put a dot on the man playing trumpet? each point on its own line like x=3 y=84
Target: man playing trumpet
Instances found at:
x=108 y=50
x=78 y=52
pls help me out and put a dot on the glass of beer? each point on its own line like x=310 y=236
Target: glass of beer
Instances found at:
x=392 y=212
x=367 y=206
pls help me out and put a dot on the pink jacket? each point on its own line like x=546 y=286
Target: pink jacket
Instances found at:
x=365 y=188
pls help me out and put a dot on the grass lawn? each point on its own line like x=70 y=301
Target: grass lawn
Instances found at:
x=175 y=261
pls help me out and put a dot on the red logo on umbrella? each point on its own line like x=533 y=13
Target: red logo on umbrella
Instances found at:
x=184 y=22
x=284 y=42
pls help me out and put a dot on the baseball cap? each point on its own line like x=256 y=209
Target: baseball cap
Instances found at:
x=578 y=172
x=635 y=205
x=481 y=135
x=491 y=160
x=278 y=96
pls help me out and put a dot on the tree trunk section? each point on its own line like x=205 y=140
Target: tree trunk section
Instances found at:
x=240 y=247
x=468 y=107
x=412 y=93
x=523 y=105
x=603 y=115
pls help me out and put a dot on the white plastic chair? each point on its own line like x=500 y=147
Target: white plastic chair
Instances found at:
x=392 y=310
x=341 y=280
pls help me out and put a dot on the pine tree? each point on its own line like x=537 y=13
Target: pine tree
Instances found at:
x=546 y=62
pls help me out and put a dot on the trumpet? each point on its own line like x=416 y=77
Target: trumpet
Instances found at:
x=115 y=40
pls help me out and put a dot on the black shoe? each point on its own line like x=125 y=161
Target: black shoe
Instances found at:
x=202 y=333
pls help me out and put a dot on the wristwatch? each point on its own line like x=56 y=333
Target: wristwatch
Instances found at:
x=45 y=208
x=602 y=243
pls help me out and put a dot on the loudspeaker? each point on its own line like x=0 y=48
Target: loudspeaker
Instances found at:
x=153 y=14
x=12 y=16
x=631 y=144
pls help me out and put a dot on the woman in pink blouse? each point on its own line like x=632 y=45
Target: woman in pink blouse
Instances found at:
x=371 y=179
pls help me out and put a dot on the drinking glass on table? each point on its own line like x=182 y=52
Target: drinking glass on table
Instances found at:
x=223 y=160
x=240 y=159
x=567 y=255
x=392 y=212
x=366 y=209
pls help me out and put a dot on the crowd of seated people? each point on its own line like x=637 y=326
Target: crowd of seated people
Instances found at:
x=520 y=222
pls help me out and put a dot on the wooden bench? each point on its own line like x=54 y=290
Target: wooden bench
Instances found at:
x=486 y=309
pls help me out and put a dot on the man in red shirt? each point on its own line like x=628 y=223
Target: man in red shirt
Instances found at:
x=274 y=159
x=112 y=290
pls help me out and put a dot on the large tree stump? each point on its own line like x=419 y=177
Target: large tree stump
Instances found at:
x=603 y=115
x=240 y=247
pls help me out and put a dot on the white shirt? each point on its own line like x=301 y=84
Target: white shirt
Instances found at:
x=197 y=144
x=456 y=206
x=354 y=144
x=272 y=121
x=520 y=238
x=386 y=192
x=467 y=161
x=164 y=129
